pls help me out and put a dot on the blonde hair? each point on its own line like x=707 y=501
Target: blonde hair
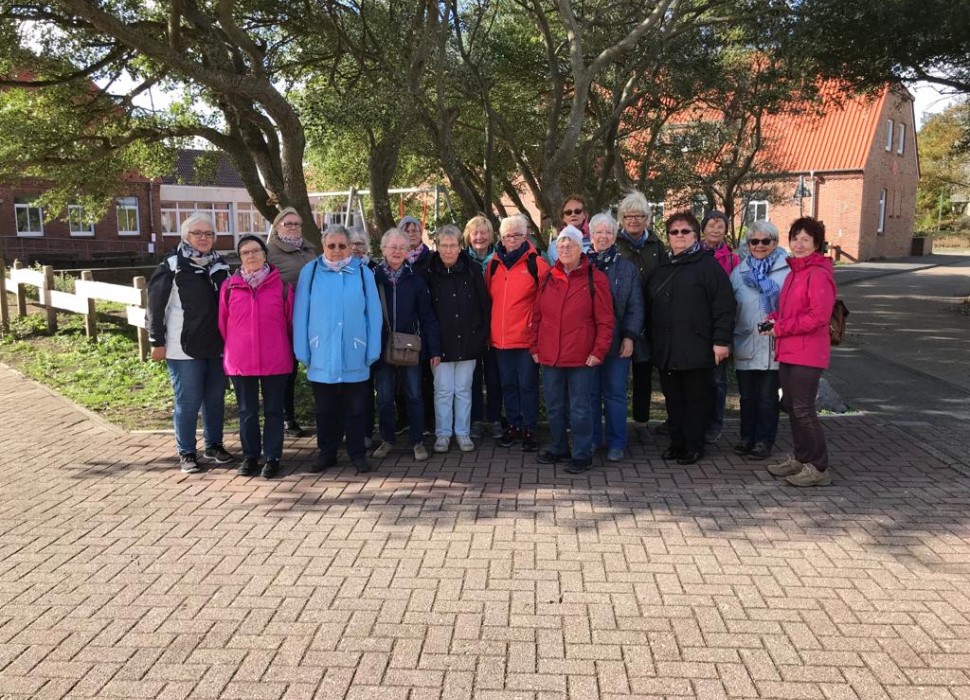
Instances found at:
x=283 y=214
x=480 y=221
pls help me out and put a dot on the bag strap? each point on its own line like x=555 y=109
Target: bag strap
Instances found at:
x=533 y=267
x=380 y=291
x=668 y=280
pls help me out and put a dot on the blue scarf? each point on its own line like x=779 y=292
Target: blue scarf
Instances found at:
x=510 y=258
x=603 y=259
x=637 y=243
x=757 y=277
x=674 y=259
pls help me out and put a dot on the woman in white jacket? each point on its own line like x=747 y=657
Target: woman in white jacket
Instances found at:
x=757 y=283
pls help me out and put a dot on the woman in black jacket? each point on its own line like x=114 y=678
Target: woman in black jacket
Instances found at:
x=463 y=307
x=183 y=328
x=691 y=319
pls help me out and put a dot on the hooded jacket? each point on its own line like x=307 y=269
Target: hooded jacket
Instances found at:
x=462 y=306
x=691 y=306
x=804 y=309
x=513 y=292
x=570 y=321
x=288 y=258
x=753 y=351
x=256 y=325
x=337 y=322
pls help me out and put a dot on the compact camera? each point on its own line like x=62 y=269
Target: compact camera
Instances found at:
x=765 y=326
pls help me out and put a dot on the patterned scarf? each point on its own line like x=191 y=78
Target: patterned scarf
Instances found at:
x=603 y=259
x=679 y=257
x=757 y=277
x=197 y=258
x=253 y=279
x=337 y=265
x=296 y=241
x=201 y=263
x=393 y=276
x=417 y=253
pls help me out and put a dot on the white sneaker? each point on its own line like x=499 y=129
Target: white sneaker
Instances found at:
x=442 y=444
x=382 y=450
x=420 y=454
x=465 y=443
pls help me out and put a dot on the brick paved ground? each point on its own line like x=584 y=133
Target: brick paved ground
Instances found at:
x=481 y=576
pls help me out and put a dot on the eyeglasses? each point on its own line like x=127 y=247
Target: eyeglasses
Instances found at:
x=513 y=235
x=571 y=212
x=680 y=232
x=358 y=244
x=396 y=248
x=760 y=241
x=202 y=234
x=634 y=217
x=250 y=251
x=336 y=246
x=292 y=224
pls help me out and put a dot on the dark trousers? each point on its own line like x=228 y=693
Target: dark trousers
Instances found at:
x=488 y=407
x=339 y=410
x=799 y=387
x=759 y=406
x=289 y=401
x=719 y=379
x=689 y=395
x=385 y=376
x=642 y=390
x=568 y=405
x=520 y=387
x=247 y=398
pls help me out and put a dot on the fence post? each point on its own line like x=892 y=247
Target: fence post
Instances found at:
x=4 y=308
x=20 y=293
x=45 y=299
x=143 y=347
x=91 y=318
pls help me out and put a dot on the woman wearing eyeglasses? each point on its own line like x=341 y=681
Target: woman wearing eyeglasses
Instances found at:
x=757 y=283
x=639 y=244
x=183 y=328
x=337 y=334
x=691 y=307
x=256 y=321
x=573 y=213
x=288 y=252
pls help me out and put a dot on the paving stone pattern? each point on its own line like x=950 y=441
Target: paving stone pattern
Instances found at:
x=479 y=576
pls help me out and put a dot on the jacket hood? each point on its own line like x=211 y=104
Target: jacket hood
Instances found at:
x=236 y=280
x=816 y=259
x=560 y=271
x=437 y=266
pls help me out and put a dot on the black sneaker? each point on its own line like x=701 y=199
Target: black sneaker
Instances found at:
x=548 y=457
x=218 y=454
x=578 y=466
x=362 y=465
x=509 y=437
x=322 y=464
x=249 y=467
x=743 y=448
x=189 y=463
x=271 y=469
x=292 y=429
x=529 y=442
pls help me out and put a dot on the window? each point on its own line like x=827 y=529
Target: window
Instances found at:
x=658 y=215
x=127 y=209
x=757 y=210
x=900 y=138
x=30 y=217
x=889 y=134
x=78 y=220
x=250 y=221
x=174 y=213
x=698 y=206
x=881 y=224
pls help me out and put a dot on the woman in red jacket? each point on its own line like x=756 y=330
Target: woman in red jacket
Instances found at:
x=572 y=329
x=801 y=331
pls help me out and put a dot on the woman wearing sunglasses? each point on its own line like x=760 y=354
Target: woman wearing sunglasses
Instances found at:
x=337 y=334
x=289 y=251
x=757 y=283
x=691 y=308
x=573 y=213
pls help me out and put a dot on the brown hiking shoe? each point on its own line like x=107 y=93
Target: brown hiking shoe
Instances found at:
x=810 y=476
x=787 y=468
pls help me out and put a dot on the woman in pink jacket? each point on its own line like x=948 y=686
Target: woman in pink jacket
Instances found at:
x=256 y=321
x=802 y=346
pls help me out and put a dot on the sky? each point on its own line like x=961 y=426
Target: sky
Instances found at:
x=929 y=100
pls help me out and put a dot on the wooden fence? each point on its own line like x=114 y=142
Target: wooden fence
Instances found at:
x=82 y=301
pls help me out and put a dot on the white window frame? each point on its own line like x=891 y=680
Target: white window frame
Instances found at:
x=890 y=130
x=752 y=216
x=658 y=214
x=881 y=222
x=179 y=213
x=127 y=204
x=77 y=222
x=900 y=138
x=249 y=220
x=28 y=206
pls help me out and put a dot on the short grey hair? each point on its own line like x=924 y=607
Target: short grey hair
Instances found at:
x=391 y=233
x=634 y=203
x=448 y=231
x=513 y=223
x=764 y=228
x=603 y=218
x=335 y=230
x=358 y=234
x=193 y=219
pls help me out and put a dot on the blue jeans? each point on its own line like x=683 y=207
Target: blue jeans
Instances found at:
x=759 y=405
x=198 y=384
x=274 y=398
x=487 y=376
x=562 y=385
x=719 y=379
x=339 y=409
x=453 y=397
x=410 y=378
x=520 y=387
x=609 y=389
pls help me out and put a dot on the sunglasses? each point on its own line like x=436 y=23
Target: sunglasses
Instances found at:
x=760 y=241
x=336 y=246
x=570 y=212
x=680 y=232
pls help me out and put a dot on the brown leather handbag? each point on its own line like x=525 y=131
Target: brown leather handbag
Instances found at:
x=402 y=349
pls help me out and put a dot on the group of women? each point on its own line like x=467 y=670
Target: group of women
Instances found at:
x=450 y=337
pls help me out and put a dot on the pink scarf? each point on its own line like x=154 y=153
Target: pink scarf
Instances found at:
x=253 y=279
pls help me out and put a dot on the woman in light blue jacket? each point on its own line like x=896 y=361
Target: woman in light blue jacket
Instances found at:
x=337 y=323
x=757 y=283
